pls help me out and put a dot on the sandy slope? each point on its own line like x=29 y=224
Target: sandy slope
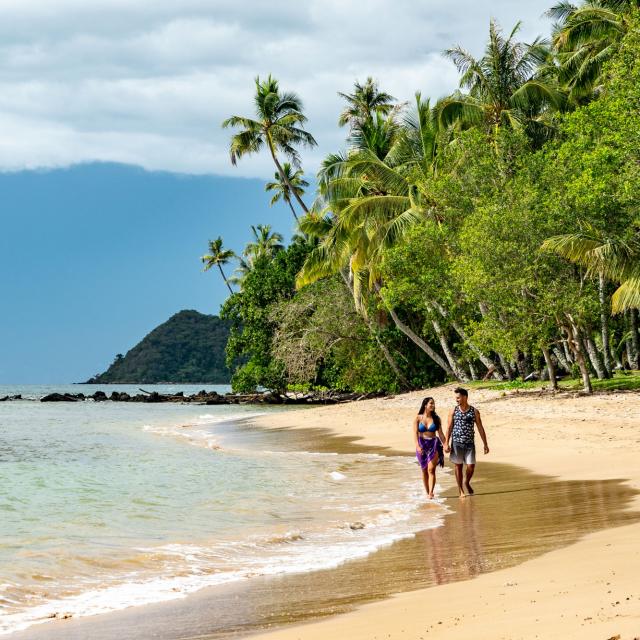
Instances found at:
x=590 y=589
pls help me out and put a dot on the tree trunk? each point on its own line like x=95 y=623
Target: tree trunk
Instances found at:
x=506 y=366
x=484 y=310
x=561 y=359
x=521 y=364
x=551 y=369
x=473 y=372
x=372 y=330
x=417 y=340
x=604 y=325
x=225 y=279
x=283 y=176
x=451 y=358
x=634 y=355
x=292 y=210
x=576 y=345
x=388 y=357
x=594 y=356
x=567 y=352
x=486 y=361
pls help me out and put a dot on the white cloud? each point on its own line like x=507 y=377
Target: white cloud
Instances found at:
x=149 y=82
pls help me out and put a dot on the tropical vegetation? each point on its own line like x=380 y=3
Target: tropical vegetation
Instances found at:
x=490 y=234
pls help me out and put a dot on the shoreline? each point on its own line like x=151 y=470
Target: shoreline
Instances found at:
x=383 y=424
x=587 y=589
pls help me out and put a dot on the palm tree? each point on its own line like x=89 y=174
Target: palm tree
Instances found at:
x=365 y=102
x=617 y=258
x=584 y=38
x=218 y=256
x=371 y=198
x=281 y=187
x=504 y=87
x=265 y=243
x=278 y=125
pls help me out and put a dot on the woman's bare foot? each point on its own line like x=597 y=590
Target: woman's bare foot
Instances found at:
x=431 y=496
x=462 y=494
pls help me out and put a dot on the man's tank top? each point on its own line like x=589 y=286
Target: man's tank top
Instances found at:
x=464 y=425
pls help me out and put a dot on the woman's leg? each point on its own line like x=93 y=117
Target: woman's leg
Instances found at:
x=425 y=480
x=431 y=467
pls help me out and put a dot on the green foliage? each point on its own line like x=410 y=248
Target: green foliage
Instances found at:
x=187 y=348
x=270 y=280
x=458 y=241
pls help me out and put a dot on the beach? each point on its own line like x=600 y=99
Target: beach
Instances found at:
x=588 y=589
x=546 y=548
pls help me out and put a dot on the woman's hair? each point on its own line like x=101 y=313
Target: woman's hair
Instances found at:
x=423 y=406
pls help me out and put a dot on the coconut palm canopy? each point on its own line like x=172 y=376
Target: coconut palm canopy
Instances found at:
x=431 y=218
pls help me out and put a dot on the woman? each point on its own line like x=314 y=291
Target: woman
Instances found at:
x=430 y=441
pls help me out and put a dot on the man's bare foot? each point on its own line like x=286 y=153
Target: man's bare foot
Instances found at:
x=462 y=494
x=469 y=488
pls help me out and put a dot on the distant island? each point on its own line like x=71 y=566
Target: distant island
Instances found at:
x=187 y=348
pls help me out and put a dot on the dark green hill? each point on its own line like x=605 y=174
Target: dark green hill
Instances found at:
x=187 y=348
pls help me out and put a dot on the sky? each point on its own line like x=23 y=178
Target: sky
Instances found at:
x=114 y=170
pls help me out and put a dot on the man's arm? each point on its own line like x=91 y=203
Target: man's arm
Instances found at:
x=449 y=428
x=483 y=435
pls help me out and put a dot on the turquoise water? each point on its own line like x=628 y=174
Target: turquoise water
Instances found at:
x=108 y=505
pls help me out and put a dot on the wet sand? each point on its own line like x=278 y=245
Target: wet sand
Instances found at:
x=515 y=517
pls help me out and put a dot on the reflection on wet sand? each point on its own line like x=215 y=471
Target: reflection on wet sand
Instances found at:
x=515 y=515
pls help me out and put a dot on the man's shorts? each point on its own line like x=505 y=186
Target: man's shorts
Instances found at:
x=463 y=453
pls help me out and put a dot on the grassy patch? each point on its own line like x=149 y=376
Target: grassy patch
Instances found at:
x=621 y=381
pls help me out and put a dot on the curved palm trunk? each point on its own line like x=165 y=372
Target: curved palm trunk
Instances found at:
x=634 y=353
x=225 y=279
x=417 y=340
x=372 y=330
x=564 y=363
x=284 y=177
x=594 y=356
x=604 y=324
x=486 y=361
x=293 y=210
x=551 y=369
x=446 y=349
x=504 y=363
x=575 y=342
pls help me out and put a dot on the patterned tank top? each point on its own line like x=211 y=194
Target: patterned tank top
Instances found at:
x=464 y=425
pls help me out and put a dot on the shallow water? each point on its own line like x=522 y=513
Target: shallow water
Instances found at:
x=108 y=505
x=514 y=516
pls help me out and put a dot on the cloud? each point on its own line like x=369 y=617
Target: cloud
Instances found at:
x=149 y=82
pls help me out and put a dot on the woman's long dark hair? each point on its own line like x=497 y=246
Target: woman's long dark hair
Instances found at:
x=436 y=417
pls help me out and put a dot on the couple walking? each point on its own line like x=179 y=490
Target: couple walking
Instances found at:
x=432 y=444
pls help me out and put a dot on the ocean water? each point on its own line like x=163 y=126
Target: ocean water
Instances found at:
x=110 y=505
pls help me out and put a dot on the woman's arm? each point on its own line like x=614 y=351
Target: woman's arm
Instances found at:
x=415 y=433
x=443 y=439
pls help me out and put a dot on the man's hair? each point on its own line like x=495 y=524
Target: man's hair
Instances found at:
x=461 y=391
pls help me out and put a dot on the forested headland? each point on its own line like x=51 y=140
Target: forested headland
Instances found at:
x=187 y=348
x=493 y=233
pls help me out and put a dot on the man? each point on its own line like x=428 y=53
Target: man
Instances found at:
x=460 y=437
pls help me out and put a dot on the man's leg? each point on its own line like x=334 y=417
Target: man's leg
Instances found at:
x=468 y=475
x=458 y=471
